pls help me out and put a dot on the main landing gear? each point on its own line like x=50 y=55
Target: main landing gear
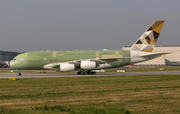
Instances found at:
x=85 y=72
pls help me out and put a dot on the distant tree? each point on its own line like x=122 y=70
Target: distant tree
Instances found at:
x=7 y=55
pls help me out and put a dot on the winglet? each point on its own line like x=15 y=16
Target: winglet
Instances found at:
x=149 y=38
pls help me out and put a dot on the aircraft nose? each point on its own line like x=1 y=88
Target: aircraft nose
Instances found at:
x=11 y=64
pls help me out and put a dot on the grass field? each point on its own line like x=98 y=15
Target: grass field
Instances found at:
x=91 y=95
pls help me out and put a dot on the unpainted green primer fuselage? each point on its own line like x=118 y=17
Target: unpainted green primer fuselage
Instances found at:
x=38 y=59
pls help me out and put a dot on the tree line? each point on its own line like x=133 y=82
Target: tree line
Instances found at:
x=9 y=53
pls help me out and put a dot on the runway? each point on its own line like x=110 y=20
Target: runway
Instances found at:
x=49 y=75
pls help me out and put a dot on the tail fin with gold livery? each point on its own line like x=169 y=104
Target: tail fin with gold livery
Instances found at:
x=149 y=38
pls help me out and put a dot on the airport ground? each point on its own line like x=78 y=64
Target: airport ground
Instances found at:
x=134 y=69
x=102 y=94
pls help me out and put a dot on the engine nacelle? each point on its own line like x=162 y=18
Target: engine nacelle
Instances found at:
x=65 y=67
x=88 y=65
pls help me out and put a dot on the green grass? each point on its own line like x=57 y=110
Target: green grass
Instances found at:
x=91 y=95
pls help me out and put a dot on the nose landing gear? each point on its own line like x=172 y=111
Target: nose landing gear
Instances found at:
x=18 y=72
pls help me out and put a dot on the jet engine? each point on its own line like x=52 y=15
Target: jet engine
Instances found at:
x=66 y=67
x=88 y=65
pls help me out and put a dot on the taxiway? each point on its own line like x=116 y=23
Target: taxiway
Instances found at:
x=49 y=75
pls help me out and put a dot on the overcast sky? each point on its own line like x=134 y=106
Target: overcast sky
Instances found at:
x=35 y=25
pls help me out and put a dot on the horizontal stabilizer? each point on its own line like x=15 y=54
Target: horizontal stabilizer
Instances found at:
x=153 y=54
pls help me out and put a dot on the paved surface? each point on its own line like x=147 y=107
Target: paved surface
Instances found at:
x=48 y=75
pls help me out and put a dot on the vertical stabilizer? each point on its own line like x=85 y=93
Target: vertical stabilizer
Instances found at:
x=149 y=38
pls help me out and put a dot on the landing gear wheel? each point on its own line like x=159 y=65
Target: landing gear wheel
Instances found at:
x=78 y=73
x=93 y=72
x=85 y=72
x=88 y=72
x=19 y=74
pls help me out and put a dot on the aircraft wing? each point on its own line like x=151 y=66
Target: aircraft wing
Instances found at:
x=77 y=63
x=113 y=59
x=99 y=60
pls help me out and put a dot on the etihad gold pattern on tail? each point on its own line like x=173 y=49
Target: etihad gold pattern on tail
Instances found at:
x=148 y=40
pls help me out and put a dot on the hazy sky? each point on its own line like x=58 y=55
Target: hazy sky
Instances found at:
x=34 y=25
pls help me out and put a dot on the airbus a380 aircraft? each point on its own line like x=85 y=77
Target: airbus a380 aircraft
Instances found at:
x=86 y=61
